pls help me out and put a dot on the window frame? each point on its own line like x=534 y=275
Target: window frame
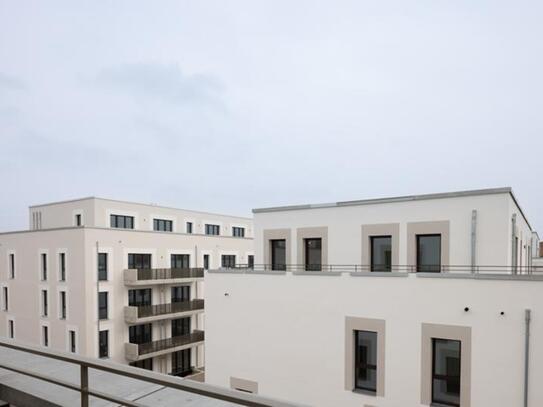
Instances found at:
x=417 y=245
x=226 y=261
x=366 y=366
x=101 y=308
x=188 y=228
x=274 y=264
x=102 y=270
x=12 y=266
x=43 y=260
x=445 y=378
x=120 y=221
x=103 y=344
x=212 y=229
x=384 y=267
x=62 y=266
x=312 y=266
x=63 y=305
x=162 y=225
x=238 y=231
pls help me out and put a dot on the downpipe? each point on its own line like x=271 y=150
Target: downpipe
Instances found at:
x=527 y=319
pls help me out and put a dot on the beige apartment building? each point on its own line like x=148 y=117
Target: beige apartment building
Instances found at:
x=118 y=280
x=427 y=300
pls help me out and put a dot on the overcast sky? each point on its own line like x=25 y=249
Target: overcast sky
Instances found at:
x=225 y=105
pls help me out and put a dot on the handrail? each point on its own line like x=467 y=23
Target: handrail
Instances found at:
x=169 y=308
x=86 y=363
x=172 y=342
x=171 y=273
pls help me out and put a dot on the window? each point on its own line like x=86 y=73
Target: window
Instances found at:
x=12 y=265
x=146 y=364
x=78 y=219
x=102 y=305
x=44 y=266
x=381 y=253
x=140 y=297
x=45 y=335
x=180 y=261
x=62 y=305
x=446 y=371
x=206 y=261
x=365 y=361
x=238 y=232
x=62 y=266
x=140 y=333
x=5 y=305
x=228 y=261
x=180 y=326
x=102 y=266
x=11 y=329
x=189 y=227
x=181 y=365
x=213 y=229
x=139 y=261
x=250 y=261
x=121 y=221
x=313 y=254
x=162 y=225
x=181 y=293
x=44 y=303
x=429 y=253
x=71 y=338
x=103 y=344
x=278 y=254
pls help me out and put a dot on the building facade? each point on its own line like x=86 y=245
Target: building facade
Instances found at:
x=117 y=280
x=408 y=301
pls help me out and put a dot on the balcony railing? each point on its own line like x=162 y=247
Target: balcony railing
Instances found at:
x=137 y=276
x=146 y=311
x=169 y=343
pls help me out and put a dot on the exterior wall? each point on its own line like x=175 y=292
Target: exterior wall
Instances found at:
x=286 y=332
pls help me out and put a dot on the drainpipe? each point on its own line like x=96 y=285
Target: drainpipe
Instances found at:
x=473 y=240
x=97 y=295
x=526 y=355
x=513 y=245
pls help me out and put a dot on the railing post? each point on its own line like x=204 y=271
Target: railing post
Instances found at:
x=84 y=384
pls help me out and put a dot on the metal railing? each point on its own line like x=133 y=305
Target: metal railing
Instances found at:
x=168 y=274
x=162 y=309
x=366 y=268
x=84 y=389
x=168 y=343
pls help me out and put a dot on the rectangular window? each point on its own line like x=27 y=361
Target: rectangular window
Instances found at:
x=44 y=266
x=71 y=336
x=12 y=265
x=103 y=344
x=313 y=254
x=365 y=376
x=213 y=229
x=63 y=305
x=238 y=232
x=228 y=261
x=278 y=254
x=140 y=333
x=102 y=266
x=140 y=297
x=162 y=225
x=102 y=305
x=62 y=266
x=181 y=365
x=180 y=326
x=446 y=372
x=6 y=299
x=206 y=261
x=78 y=219
x=139 y=261
x=121 y=221
x=189 y=227
x=180 y=261
x=44 y=303
x=429 y=253
x=381 y=253
x=181 y=293
x=146 y=364
x=11 y=329
x=45 y=335
x=250 y=261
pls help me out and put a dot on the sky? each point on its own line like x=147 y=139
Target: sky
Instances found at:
x=226 y=106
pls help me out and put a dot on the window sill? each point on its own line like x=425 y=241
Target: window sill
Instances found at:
x=365 y=392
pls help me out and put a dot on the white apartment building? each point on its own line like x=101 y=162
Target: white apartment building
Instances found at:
x=118 y=280
x=401 y=302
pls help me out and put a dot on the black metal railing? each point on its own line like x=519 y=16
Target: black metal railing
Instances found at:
x=168 y=274
x=168 y=343
x=162 y=309
x=182 y=372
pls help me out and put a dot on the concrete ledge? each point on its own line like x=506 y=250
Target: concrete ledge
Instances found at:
x=379 y=274
x=272 y=272
x=485 y=276
x=227 y=271
x=317 y=273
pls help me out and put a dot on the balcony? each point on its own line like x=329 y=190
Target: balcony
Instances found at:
x=149 y=313
x=134 y=352
x=134 y=277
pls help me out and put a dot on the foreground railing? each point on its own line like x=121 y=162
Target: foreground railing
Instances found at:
x=168 y=274
x=168 y=343
x=171 y=308
x=84 y=389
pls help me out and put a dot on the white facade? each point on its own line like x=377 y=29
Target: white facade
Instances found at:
x=54 y=231
x=289 y=334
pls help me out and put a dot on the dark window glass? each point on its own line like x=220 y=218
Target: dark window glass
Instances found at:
x=180 y=261
x=140 y=333
x=180 y=326
x=78 y=220
x=446 y=372
x=429 y=253
x=181 y=293
x=206 y=261
x=72 y=341
x=278 y=254
x=102 y=266
x=146 y=364
x=62 y=266
x=45 y=304
x=181 y=365
x=44 y=266
x=45 y=331
x=381 y=253
x=313 y=254
x=139 y=297
x=139 y=261
x=366 y=360
x=102 y=305
x=228 y=261
x=6 y=299
x=189 y=227
x=11 y=329
x=212 y=229
x=162 y=225
x=121 y=221
x=238 y=232
x=103 y=344
x=250 y=261
x=12 y=265
x=63 y=305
